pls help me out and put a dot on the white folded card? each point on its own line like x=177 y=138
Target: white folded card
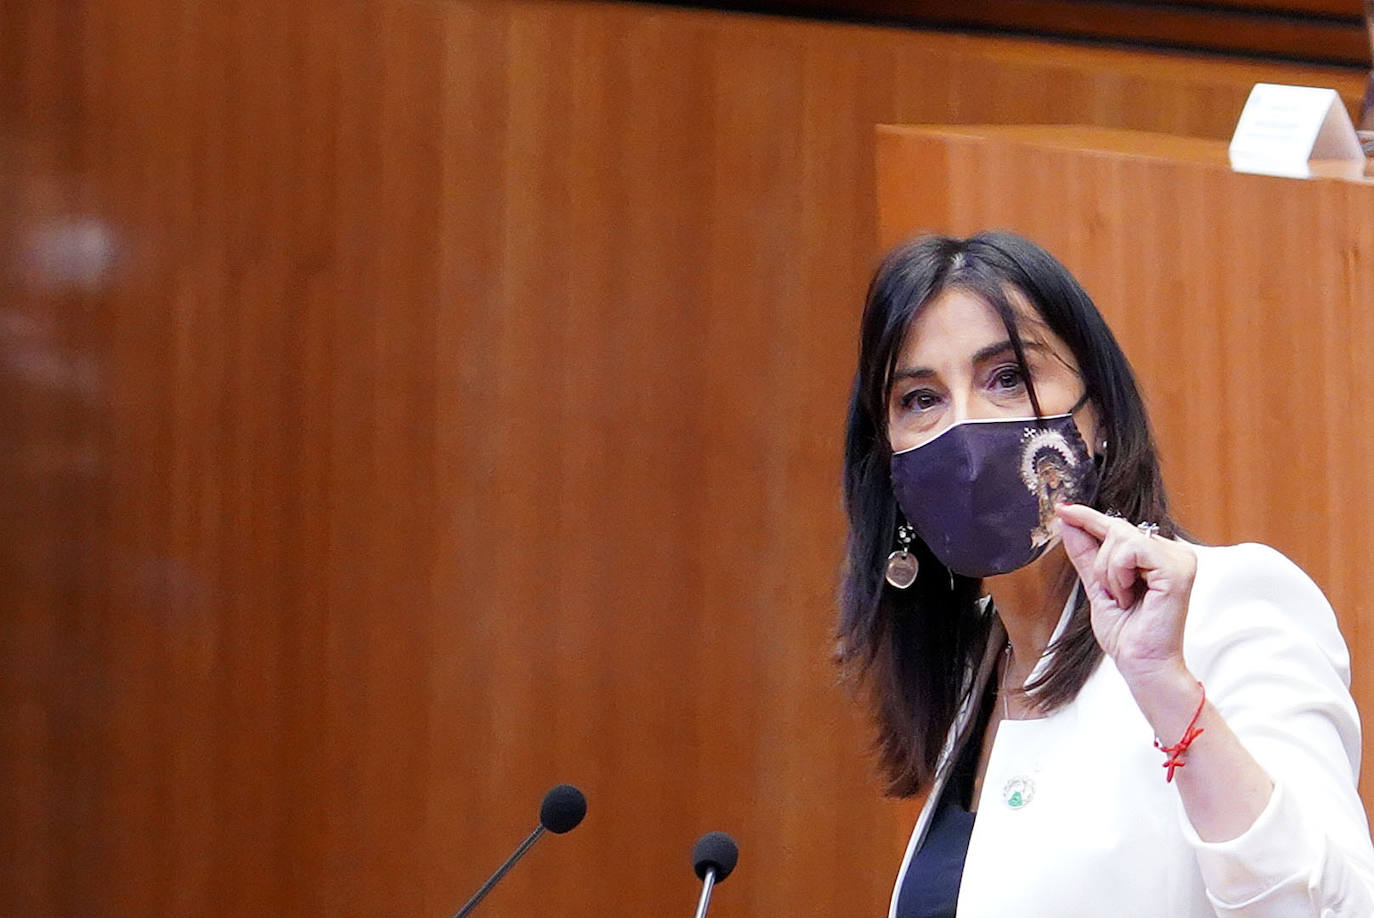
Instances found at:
x=1283 y=128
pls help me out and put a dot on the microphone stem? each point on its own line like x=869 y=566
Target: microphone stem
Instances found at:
x=495 y=877
x=706 y=884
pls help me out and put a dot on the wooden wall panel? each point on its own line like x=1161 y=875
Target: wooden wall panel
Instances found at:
x=410 y=404
x=1312 y=31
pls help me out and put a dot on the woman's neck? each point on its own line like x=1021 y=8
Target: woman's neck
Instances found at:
x=1029 y=601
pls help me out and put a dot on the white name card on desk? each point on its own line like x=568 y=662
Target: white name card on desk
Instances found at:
x=1283 y=128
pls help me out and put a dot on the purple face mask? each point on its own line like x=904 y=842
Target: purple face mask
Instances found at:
x=982 y=494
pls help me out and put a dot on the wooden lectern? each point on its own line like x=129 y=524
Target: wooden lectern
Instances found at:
x=1245 y=302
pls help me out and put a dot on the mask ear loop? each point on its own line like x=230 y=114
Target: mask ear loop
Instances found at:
x=1101 y=455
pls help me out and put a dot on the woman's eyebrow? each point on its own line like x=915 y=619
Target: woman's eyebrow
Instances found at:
x=1004 y=347
x=913 y=373
x=983 y=354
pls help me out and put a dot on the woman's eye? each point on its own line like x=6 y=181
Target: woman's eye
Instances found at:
x=1007 y=378
x=919 y=400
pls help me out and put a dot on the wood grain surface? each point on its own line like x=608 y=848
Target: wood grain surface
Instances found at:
x=411 y=404
x=1311 y=31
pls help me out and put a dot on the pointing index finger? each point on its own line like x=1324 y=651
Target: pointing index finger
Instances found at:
x=1085 y=518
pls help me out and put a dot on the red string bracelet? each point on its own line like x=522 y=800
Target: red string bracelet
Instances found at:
x=1175 y=752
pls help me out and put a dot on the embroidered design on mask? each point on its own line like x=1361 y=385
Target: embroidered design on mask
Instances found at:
x=1048 y=467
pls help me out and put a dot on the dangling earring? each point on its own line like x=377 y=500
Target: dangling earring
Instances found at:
x=902 y=564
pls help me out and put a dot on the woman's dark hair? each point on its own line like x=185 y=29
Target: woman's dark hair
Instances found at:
x=914 y=650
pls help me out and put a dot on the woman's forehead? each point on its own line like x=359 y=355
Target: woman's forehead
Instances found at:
x=962 y=318
x=972 y=312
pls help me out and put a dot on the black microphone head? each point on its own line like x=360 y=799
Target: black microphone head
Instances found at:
x=715 y=849
x=562 y=809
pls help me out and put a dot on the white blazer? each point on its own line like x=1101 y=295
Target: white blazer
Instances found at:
x=1099 y=833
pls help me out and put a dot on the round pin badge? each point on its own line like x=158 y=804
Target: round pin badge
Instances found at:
x=1018 y=793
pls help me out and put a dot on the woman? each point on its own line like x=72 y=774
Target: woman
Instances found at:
x=1037 y=640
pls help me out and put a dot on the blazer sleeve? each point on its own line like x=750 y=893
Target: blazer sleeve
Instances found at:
x=1264 y=640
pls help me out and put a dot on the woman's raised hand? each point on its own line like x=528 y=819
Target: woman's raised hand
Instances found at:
x=1138 y=585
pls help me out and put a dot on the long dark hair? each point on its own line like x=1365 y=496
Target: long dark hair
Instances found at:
x=914 y=650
